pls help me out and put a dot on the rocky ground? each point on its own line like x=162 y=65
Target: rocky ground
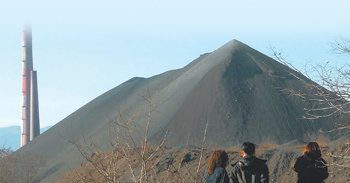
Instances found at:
x=181 y=164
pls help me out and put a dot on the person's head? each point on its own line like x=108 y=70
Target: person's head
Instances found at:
x=312 y=149
x=217 y=159
x=248 y=148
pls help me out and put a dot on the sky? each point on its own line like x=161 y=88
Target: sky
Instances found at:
x=82 y=49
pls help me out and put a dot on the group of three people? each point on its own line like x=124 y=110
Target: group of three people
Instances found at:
x=310 y=167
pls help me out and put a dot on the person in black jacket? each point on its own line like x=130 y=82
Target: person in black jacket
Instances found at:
x=249 y=169
x=311 y=167
x=216 y=169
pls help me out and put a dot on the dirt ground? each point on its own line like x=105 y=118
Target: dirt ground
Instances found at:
x=181 y=164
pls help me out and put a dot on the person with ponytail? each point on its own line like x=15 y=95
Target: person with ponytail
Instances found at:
x=311 y=167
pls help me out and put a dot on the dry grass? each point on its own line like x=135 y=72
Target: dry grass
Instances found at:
x=266 y=147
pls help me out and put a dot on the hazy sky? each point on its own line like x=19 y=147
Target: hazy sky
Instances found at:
x=84 y=48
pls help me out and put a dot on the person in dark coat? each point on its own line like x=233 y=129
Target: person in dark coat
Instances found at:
x=249 y=169
x=311 y=167
x=216 y=169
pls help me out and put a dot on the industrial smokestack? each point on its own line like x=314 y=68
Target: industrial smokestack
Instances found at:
x=27 y=68
x=34 y=107
x=30 y=102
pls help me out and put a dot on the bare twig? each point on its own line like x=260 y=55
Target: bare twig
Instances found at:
x=202 y=148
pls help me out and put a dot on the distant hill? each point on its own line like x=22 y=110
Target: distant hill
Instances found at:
x=236 y=90
x=10 y=136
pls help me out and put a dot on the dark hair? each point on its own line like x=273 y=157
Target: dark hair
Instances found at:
x=248 y=148
x=217 y=159
x=311 y=147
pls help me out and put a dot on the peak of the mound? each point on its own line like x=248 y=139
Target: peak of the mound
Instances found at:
x=247 y=59
x=241 y=98
x=231 y=47
x=234 y=43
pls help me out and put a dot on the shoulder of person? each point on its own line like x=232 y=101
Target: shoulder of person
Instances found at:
x=261 y=161
x=236 y=165
x=219 y=170
x=320 y=163
x=324 y=161
x=302 y=158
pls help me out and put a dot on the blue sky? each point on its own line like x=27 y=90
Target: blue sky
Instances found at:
x=84 y=48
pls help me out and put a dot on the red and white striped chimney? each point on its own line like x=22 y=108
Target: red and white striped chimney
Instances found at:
x=27 y=69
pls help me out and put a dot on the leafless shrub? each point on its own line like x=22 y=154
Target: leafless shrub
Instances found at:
x=4 y=152
x=132 y=158
x=342 y=46
x=341 y=159
x=330 y=96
